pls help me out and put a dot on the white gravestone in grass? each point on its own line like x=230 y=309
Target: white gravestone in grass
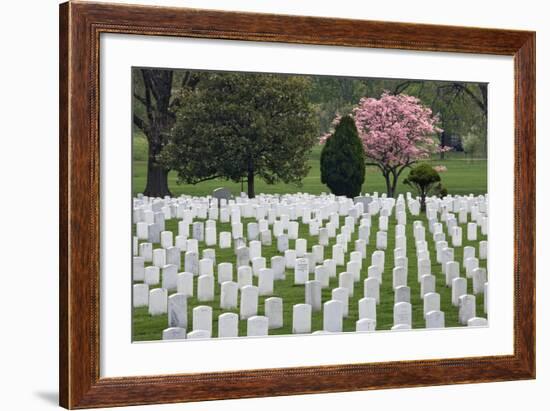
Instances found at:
x=257 y=326
x=374 y=271
x=265 y=281
x=202 y=318
x=228 y=325
x=468 y=252
x=229 y=295
x=174 y=333
x=472 y=232
x=169 y=277
x=152 y=275
x=427 y=285
x=166 y=239
x=158 y=301
x=205 y=288
x=255 y=249
x=372 y=289
x=266 y=238
x=479 y=278
x=330 y=265
x=399 y=277
x=225 y=239
x=381 y=240
x=313 y=293
x=354 y=267
x=338 y=254
x=471 y=265
x=483 y=250
x=342 y=294
x=300 y=247
x=258 y=263
x=244 y=276
x=159 y=257
x=192 y=262
x=346 y=280
x=282 y=243
x=274 y=312
x=252 y=231
x=378 y=259
x=290 y=259
x=318 y=252
x=301 y=271
x=402 y=294
x=458 y=288
x=140 y=297
x=321 y=275
x=146 y=251
x=243 y=256
x=435 y=319
x=177 y=310
x=466 y=308
x=402 y=314
x=225 y=272
x=367 y=308
x=206 y=267
x=184 y=284
x=424 y=268
x=452 y=271
x=333 y=316
x=432 y=302
x=138 y=268
x=278 y=267
x=173 y=256
x=249 y=301
x=210 y=236
x=301 y=319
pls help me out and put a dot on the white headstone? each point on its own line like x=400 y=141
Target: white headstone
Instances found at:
x=402 y=314
x=274 y=312
x=228 y=295
x=435 y=319
x=333 y=316
x=257 y=326
x=301 y=319
x=177 y=310
x=228 y=325
x=249 y=301
x=466 y=308
x=140 y=295
x=202 y=318
x=265 y=281
x=174 y=333
x=205 y=288
x=367 y=308
x=158 y=301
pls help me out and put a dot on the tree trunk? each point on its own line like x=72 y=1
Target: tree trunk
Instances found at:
x=157 y=176
x=388 y=184
x=443 y=139
x=422 y=202
x=250 y=184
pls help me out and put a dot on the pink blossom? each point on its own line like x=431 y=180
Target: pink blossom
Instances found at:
x=440 y=168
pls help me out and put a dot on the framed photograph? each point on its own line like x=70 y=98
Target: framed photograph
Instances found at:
x=259 y=205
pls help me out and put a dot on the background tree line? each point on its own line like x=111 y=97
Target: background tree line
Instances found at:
x=270 y=122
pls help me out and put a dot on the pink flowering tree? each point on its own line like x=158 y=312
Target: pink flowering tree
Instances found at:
x=396 y=132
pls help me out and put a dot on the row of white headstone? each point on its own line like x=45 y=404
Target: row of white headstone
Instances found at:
x=183 y=282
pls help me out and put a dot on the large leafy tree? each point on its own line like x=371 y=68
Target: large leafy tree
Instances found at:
x=397 y=131
x=239 y=126
x=343 y=161
x=154 y=104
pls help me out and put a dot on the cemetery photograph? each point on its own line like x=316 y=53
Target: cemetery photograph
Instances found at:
x=268 y=204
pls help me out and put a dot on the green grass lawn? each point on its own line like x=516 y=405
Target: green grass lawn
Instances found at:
x=463 y=176
x=146 y=327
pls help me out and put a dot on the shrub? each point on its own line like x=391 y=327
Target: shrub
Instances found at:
x=343 y=160
x=425 y=180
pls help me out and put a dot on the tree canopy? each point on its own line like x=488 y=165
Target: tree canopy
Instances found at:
x=343 y=161
x=425 y=179
x=242 y=126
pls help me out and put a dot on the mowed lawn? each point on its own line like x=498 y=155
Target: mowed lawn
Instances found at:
x=463 y=176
